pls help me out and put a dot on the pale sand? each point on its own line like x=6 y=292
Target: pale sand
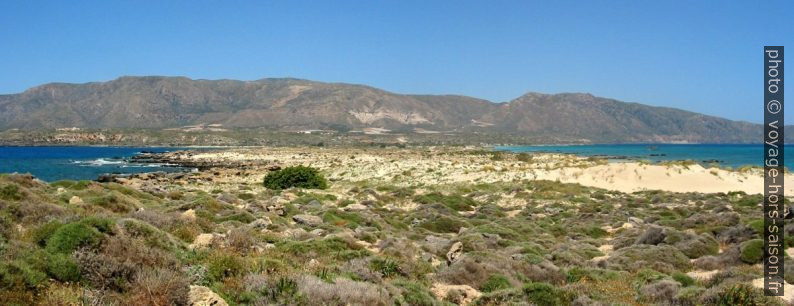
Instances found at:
x=630 y=177
x=788 y=289
x=702 y=275
x=403 y=167
x=441 y=290
x=607 y=250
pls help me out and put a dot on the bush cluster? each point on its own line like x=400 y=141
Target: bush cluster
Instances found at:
x=296 y=176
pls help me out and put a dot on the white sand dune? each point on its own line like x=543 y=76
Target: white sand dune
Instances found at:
x=371 y=164
x=630 y=177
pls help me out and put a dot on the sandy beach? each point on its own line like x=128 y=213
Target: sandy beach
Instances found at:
x=451 y=165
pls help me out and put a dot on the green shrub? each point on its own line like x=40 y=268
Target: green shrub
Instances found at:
x=662 y=258
x=112 y=202
x=495 y=282
x=455 y=202
x=524 y=157
x=152 y=236
x=386 y=267
x=103 y=225
x=689 y=295
x=225 y=265
x=74 y=185
x=546 y=294
x=757 y=226
x=743 y=294
x=752 y=251
x=63 y=268
x=41 y=234
x=594 y=231
x=297 y=176
x=18 y=273
x=683 y=279
x=443 y=224
x=10 y=192
x=414 y=293
x=749 y=200
x=283 y=289
x=72 y=236
x=647 y=276
x=336 y=247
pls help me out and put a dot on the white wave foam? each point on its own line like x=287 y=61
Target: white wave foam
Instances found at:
x=99 y=162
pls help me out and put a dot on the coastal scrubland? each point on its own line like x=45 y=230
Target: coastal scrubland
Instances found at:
x=429 y=226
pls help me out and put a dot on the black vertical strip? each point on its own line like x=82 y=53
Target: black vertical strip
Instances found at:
x=773 y=171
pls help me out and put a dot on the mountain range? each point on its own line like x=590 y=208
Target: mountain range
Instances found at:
x=155 y=102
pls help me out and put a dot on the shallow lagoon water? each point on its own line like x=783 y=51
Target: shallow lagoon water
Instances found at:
x=726 y=155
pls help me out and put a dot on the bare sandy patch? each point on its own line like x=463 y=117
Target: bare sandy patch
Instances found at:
x=788 y=290
x=441 y=290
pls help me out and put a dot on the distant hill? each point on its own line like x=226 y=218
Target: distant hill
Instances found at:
x=292 y=105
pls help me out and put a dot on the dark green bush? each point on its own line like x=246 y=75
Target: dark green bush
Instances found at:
x=757 y=226
x=594 y=231
x=63 y=268
x=414 y=293
x=297 y=176
x=10 y=192
x=546 y=294
x=72 y=236
x=749 y=200
x=455 y=202
x=103 y=225
x=20 y=274
x=576 y=274
x=443 y=224
x=683 y=279
x=752 y=251
x=225 y=265
x=41 y=234
x=495 y=282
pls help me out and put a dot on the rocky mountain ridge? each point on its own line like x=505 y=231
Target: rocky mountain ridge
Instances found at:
x=154 y=102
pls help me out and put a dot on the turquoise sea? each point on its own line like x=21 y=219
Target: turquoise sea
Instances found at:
x=77 y=163
x=726 y=155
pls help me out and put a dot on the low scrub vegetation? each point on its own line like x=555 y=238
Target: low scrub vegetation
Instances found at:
x=501 y=243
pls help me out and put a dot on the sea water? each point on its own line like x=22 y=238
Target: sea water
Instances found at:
x=724 y=155
x=77 y=163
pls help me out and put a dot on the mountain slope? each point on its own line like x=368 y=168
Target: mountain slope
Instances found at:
x=292 y=104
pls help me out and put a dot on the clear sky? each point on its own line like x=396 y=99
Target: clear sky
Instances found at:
x=704 y=56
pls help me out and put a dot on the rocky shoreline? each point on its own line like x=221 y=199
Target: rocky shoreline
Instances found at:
x=184 y=159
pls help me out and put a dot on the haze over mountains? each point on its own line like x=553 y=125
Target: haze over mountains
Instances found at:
x=154 y=102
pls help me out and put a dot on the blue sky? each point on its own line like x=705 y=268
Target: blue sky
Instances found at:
x=704 y=56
